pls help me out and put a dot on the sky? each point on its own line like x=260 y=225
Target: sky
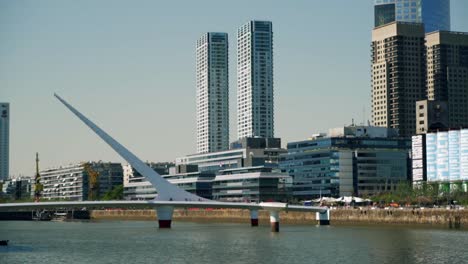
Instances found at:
x=130 y=67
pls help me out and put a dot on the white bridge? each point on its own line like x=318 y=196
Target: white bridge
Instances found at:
x=169 y=196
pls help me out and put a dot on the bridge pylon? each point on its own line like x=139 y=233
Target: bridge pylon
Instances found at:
x=323 y=218
x=274 y=220
x=164 y=214
x=253 y=217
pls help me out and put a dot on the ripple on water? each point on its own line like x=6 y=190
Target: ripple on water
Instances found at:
x=143 y=242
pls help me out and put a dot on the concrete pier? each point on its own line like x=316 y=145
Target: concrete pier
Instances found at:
x=323 y=218
x=274 y=221
x=253 y=217
x=164 y=214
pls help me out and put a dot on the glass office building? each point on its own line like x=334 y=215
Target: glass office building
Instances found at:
x=435 y=14
x=446 y=158
x=252 y=184
x=358 y=162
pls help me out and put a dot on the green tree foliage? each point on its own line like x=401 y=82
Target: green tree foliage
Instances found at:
x=426 y=194
x=115 y=194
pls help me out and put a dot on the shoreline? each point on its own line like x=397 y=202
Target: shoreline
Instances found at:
x=427 y=217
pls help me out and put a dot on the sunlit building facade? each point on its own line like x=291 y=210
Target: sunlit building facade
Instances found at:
x=212 y=92
x=255 y=109
x=442 y=158
x=398 y=75
x=81 y=181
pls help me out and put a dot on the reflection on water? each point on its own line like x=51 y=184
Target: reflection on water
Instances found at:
x=143 y=242
x=15 y=248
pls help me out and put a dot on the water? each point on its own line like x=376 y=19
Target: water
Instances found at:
x=143 y=242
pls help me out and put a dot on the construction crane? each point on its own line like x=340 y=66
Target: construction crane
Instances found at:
x=38 y=187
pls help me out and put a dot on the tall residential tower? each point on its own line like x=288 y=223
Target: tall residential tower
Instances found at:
x=255 y=107
x=435 y=14
x=212 y=93
x=4 y=140
x=447 y=73
x=398 y=75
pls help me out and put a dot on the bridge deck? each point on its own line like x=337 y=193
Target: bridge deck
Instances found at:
x=155 y=204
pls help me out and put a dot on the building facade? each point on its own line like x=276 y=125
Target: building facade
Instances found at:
x=248 y=184
x=17 y=188
x=212 y=92
x=255 y=108
x=398 y=75
x=162 y=168
x=431 y=115
x=349 y=161
x=442 y=158
x=135 y=185
x=435 y=14
x=198 y=183
x=252 y=184
x=447 y=73
x=4 y=141
x=81 y=181
x=246 y=152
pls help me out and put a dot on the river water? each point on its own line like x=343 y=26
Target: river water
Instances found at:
x=142 y=242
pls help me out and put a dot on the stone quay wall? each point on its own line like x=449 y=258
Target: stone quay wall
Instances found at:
x=445 y=217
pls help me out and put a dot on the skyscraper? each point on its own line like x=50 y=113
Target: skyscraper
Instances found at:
x=212 y=93
x=435 y=14
x=4 y=140
x=255 y=107
x=447 y=73
x=398 y=75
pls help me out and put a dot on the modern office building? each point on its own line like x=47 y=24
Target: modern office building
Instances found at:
x=17 y=188
x=212 y=92
x=442 y=158
x=199 y=183
x=354 y=160
x=246 y=152
x=252 y=184
x=447 y=73
x=398 y=75
x=435 y=14
x=4 y=140
x=136 y=187
x=255 y=108
x=162 y=168
x=248 y=184
x=248 y=171
x=81 y=181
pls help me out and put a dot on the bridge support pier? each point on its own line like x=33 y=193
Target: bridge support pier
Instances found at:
x=164 y=216
x=253 y=217
x=274 y=221
x=323 y=218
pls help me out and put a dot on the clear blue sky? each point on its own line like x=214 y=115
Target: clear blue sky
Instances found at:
x=130 y=67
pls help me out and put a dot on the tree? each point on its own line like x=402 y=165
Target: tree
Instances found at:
x=115 y=194
x=93 y=182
